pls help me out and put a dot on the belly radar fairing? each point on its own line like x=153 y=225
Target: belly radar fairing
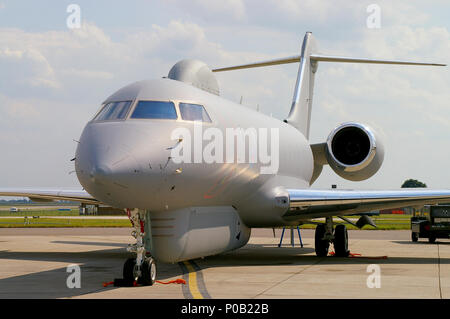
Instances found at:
x=195 y=172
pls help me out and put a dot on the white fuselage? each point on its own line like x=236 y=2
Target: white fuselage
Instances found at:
x=129 y=163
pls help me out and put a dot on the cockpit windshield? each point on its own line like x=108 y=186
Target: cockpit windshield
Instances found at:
x=194 y=112
x=113 y=111
x=154 y=110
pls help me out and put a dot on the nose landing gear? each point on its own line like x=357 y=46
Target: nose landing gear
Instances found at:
x=142 y=269
x=325 y=235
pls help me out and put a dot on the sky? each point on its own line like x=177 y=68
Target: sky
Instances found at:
x=54 y=78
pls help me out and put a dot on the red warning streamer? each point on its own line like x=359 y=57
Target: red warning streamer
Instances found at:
x=353 y=255
x=135 y=284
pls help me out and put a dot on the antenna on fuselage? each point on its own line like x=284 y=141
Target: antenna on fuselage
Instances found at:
x=300 y=112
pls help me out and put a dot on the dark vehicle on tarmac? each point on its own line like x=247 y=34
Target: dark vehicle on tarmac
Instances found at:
x=432 y=222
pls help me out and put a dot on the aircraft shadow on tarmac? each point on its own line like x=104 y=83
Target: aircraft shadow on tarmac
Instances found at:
x=96 y=267
x=271 y=255
x=423 y=242
x=89 y=243
x=104 y=265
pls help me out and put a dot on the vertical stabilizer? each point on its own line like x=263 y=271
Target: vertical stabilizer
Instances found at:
x=300 y=113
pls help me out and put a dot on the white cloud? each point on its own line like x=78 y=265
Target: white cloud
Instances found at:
x=26 y=67
x=87 y=74
x=17 y=110
x=75 y=60
x=212 y=11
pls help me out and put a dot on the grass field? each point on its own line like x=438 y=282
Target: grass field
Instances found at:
x=62 y=222
x=41 y=212
x=384 y=222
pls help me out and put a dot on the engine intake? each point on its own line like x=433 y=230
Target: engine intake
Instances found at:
x=354 y=151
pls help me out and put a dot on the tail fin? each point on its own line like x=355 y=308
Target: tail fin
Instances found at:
x=300 y=113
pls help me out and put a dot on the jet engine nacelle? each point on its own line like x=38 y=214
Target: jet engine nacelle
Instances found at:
x=354 y=151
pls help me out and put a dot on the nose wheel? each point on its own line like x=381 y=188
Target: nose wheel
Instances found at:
x=142 y=268
x=146 y=275
x=148 y=269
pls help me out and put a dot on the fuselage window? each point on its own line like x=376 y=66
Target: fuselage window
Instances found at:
x=113 y=111
x=194 y=112
x=154 y=110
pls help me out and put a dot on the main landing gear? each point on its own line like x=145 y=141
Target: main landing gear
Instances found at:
x=326 y=235
x=142 y=269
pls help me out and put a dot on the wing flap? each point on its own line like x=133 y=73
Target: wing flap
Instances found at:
x=308 y=203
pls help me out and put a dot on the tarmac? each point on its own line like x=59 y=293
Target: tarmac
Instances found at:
x=34 y=264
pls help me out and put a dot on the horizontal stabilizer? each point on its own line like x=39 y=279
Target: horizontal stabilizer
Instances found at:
x=322 y=58
x=292 y=59
x=332 y=58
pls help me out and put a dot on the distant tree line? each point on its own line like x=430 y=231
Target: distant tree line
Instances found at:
x=15 y=201
x=413 y=183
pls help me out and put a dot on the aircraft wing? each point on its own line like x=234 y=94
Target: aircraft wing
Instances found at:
x=310 y=203
x=44 y=195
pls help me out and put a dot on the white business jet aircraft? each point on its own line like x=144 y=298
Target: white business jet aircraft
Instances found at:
x=154 y=150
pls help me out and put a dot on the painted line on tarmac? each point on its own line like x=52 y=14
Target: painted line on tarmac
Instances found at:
x=201 y=280
x=185 y=288
x=195 y=288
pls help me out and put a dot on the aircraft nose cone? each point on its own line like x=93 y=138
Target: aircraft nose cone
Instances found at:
x=123 y=165
x=100 y=174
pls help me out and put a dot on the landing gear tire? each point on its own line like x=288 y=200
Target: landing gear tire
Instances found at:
x=414 y=237
x=432 y=239
x=341 y=241
x=148 y=269
x=128 y=269
x=321 y=245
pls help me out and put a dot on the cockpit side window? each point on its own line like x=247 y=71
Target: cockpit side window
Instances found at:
x=154 y=110
x=194 y=112
x=113 y=111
